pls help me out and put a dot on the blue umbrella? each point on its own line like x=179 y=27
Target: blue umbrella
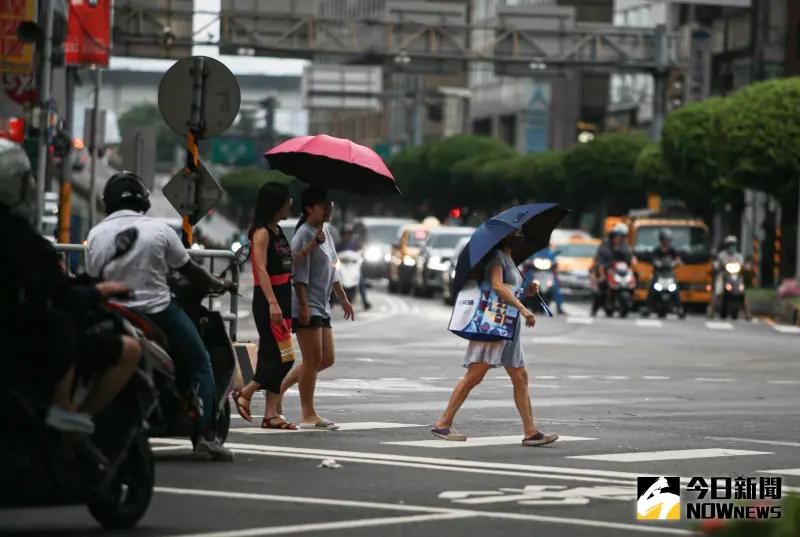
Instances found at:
x=536 y=221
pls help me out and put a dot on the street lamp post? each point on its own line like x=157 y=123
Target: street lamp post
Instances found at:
x=44 y=111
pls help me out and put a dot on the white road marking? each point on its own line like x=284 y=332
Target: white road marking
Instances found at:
x=327 y=526
x=568 y=340
x=478 y=441
x=790 y=382
x=677 y=454
x=712 y=379
x=431 y=378
x=578 y=377
x=438 y=513
x=715 y=325
x=785 y=471
x=545 y=377
x=573 y=310
x=786 y=329
x=755 y=441
x=353 y=426
x=243 y=314
x=616 y=377
x=580 y=320
x=649 y=323
x=655 y=377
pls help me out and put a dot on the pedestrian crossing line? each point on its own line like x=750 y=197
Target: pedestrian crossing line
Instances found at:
x=789 y=382
x=713 y=379
x=616 y=377
x=479 y=441
x=755 y=441
x=546 y=377
x=353 y=426
x=655 y=377
x=578 y=377
x=579 y=320
x=786 y=329
x=670 y=455
x=649 y=323
x=715 y=325
x=785 y=471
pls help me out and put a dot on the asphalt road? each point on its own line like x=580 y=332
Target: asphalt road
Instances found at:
x=628 y=397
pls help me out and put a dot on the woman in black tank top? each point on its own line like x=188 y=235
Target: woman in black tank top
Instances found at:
x=272 y=302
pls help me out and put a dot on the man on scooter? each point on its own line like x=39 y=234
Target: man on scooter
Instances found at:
x=667 y=254
x=144 y=268
x=611 y=251
x=728 y=254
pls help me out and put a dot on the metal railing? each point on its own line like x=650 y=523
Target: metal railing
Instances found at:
x=202 y=257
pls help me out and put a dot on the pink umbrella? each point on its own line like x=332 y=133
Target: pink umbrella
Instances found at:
x=328 y=162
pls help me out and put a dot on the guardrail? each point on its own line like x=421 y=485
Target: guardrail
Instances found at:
x=203 y=257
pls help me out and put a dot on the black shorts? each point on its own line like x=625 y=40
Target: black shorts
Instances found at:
x=317 y=321
x=98 y=351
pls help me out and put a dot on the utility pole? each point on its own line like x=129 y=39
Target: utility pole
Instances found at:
x=65 y=196
x=44 y=111
x=98 y=81
x=660 y=83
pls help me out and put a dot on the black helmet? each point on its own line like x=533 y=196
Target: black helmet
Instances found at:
x=126 y=190
x=665 y=235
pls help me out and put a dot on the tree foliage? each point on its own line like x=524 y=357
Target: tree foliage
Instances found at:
x=148 y=115
x=760 y=135
x=242 y=185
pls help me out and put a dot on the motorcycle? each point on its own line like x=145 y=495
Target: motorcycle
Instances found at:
x=663 y=296
x=350 y=272
x=111 y=472
x=621 y=284
x=732 y=300
x=178 y=410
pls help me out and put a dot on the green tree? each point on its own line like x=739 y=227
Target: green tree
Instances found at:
x=690 y=146
x=652 y=172
x=148 y=115
x=242 y=185
x=602 y=170
x=760 y=135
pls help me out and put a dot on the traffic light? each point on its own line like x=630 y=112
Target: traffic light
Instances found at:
x=455 y=212
x=676 y=91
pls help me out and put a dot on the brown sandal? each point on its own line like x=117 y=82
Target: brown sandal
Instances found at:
x=244 y=411
x=267 y=423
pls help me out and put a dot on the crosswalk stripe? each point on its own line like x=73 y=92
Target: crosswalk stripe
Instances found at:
x=785 y=471
x=713 y=379
x=785 y=329
x=353 y=426
x=713 y=325
x=649 y=323
x=477 y=441
x=789 y=382
x=671 y=455
x=655 y=377
x=579 y=320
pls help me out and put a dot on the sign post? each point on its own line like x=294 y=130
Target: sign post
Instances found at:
x=214 y=104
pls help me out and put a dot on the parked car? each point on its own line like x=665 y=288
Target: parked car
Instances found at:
x=435 y=256
x=288 y=226
x=574 y=261
x=560 y=236
x=448 y=296
x=377 y=234
x=403 y=261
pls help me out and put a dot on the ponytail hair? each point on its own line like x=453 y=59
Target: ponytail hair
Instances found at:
x=310 y=197
x=271 y=197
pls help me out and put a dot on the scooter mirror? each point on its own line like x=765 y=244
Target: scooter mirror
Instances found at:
x=241 y=255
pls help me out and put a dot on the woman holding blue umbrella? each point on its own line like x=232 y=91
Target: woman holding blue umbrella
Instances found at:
x=492 y=255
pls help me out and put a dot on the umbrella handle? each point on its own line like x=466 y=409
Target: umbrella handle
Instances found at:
x=544 y=305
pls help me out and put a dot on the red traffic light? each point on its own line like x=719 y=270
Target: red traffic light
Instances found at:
x=455 y=212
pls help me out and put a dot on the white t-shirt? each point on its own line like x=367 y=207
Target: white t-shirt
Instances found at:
x=144 y=268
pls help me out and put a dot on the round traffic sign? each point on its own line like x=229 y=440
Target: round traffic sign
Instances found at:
x=196 y=80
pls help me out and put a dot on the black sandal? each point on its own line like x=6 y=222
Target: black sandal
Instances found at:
x=266 y=423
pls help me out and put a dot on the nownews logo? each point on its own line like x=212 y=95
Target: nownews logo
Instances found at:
x=659 y=498
x=726 y=498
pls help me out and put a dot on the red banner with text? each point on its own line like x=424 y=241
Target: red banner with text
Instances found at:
x=88 y=39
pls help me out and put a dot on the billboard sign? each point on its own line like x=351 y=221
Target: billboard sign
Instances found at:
x=15 y=56
x=88 y=39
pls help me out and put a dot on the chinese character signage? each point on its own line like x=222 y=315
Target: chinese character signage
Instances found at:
x=15 y=56
x=88 y=39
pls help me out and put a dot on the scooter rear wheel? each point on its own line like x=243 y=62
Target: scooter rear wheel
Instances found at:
x=127 y=498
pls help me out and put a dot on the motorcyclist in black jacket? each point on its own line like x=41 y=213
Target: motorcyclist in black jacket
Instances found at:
x=44 y=312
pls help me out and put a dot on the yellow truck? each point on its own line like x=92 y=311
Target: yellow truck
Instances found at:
x=690 y=237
